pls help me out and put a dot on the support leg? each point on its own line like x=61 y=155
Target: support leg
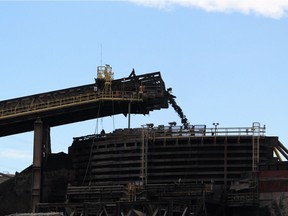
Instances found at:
x=37 y=160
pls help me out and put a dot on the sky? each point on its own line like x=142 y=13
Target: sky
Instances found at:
x=226 y=60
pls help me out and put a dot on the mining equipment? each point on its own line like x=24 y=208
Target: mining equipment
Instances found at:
x=152 y=170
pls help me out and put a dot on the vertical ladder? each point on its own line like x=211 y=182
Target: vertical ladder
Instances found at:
x=255 y=146
x=255 y=160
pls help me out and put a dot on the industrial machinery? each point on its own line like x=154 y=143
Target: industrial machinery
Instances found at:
x=153 y=170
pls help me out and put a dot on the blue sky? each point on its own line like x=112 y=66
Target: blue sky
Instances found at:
x=225 y=60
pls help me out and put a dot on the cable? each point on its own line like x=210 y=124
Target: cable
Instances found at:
x=92 y=146
x=102 y=123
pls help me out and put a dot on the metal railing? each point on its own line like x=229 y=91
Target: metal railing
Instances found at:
x=199 y=131
x=21 y=108
x=175 y=131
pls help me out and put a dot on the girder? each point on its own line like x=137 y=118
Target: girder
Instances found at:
x=144 y=93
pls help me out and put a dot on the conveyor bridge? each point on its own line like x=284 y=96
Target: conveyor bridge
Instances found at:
x=134 y=94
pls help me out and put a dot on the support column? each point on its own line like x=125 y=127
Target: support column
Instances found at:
x=37 y=161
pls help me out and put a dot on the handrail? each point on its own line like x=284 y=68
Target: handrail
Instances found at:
x=192 y=131
x=161 y=132
x=69 y=100
x=225 y=131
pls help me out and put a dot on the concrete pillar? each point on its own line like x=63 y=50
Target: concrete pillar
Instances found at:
x=37 y=161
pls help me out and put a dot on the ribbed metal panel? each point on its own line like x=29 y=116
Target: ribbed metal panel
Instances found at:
x=118 y=158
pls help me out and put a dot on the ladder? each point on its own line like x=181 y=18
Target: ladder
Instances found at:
x=255 y=145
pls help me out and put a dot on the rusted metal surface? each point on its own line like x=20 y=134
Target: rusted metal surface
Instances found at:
x=273 y=181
